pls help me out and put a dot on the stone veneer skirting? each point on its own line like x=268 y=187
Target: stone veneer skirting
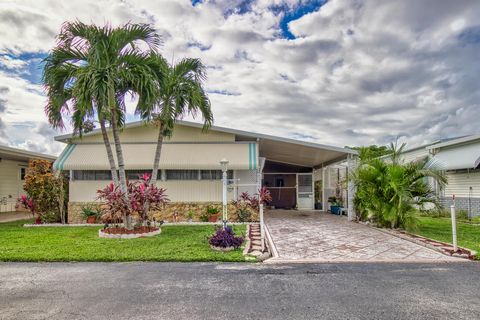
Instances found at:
x=463 y=203
x=198 y=208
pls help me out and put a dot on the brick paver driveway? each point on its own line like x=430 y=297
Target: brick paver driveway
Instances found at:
x=316 y=236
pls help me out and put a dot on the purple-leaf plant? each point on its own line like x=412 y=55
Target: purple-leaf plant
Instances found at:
x=225 y=238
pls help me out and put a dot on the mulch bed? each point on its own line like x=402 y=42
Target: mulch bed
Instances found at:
x=135 y=230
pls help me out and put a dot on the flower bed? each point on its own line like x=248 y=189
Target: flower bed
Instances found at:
x=124 y=233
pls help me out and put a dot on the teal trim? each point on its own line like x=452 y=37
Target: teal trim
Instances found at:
x=60 y=158
x=255 y=156
x=67 y=154
x=250 y=156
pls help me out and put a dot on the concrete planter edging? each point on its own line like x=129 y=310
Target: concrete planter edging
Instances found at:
x=102 y=234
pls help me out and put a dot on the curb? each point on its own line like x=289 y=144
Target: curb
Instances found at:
x=31 y=225
x=271 y=245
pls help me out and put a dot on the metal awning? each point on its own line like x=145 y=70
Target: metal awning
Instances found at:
x=241 y=156
x=463 y=157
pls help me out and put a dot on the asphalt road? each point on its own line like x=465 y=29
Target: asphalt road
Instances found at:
x=239 y=291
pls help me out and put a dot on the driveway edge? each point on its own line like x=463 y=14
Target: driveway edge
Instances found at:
x=406 y=236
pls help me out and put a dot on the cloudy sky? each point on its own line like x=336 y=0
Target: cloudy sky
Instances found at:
x=341 y=72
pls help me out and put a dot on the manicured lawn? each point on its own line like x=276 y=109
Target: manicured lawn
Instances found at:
x=468 y=235
x=175 y=243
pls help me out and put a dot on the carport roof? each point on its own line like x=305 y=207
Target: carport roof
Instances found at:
x=22 y=155
x=273 y=148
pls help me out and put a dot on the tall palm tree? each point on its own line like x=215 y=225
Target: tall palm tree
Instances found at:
x=181 y=93
x=90 y=71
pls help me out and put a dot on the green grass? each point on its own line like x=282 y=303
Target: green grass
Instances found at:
x=175 y=243
x=468 y=235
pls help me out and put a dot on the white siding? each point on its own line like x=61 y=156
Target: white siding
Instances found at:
x=11 y=187
x=460 y=183
x=149 y=133
x=177 y=190
x=413 y=155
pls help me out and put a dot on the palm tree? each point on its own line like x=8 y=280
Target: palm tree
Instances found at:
x=181 y=93
x=91 y=70
x=391 y=192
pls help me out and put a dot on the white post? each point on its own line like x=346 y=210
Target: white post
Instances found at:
x=224 y=164
x=224 y=198
x=260 y=214
x=351 y=164
x=454 y=225
x=324 y=194
x=262 y=225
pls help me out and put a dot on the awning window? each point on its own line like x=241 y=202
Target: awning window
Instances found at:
x=241 y=156
x=463 y=157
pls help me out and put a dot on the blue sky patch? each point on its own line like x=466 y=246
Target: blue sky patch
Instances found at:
x=32 y=68
x=304 y=8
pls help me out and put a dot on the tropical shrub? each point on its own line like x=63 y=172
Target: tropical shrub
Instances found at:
x=145 y=195
x=248 y=204
x=225 y=238
x=115 y=207
x=390 y=192
x=244 y=215
x=141 y=192
x=45 y=192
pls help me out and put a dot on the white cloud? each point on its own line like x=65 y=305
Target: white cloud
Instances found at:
x=359 y=72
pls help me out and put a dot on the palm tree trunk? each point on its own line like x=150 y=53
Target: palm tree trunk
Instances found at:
x=118 y=149
x=108 y=147
x=158 y=151
x=121 y=166
x=156 y=164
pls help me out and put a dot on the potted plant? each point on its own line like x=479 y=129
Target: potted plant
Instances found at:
x=224 y=240
x=330 y=202
x=190 y=216
x=90 y=214
x=336 y=207
x=213 y=214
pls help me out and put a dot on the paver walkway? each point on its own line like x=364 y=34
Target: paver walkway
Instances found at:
x=318 y=236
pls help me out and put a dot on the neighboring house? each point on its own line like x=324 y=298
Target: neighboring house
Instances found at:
x=190 y=168
x=460 y=159
x=13 y=165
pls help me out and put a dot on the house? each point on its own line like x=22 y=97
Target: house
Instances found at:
x=460 y=159
x=13 y=165
x=190 y=168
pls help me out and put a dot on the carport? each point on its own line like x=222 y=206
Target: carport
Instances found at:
x=289 y=169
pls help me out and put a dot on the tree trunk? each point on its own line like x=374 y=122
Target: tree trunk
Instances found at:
x=156 y=164
x=108 y=147
x=158 y=151
x=61 y=199
x=121 y=166
x=118 y=149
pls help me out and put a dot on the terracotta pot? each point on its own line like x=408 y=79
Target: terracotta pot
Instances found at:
x=213 y=218
x=91 y=219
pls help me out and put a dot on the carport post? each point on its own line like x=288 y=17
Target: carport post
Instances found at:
x=324 y=195
x=351 y=164
x=454 y=225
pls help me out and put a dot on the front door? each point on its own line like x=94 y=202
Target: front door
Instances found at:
x=305 y=198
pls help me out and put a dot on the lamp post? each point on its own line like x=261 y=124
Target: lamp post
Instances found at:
x=224 y=165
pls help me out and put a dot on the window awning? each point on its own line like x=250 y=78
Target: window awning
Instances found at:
x=241 y=156
x=463 y=157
